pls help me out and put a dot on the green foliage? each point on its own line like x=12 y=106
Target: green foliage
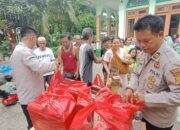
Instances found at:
x=54 y=49
x=5 y=48
x=22 y=12
x=2 y=24
x=50 y=18
x=42 y=14
x=86 y=20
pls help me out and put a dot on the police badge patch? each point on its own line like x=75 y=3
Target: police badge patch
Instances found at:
x=150 y=85
x=152 y=79
x=176 y=73
x=178 y=80
x=157 y=65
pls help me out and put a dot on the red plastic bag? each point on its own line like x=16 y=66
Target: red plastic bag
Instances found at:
x=83 y=100
x=52 y=111
x=114 y=115
x=72 y=86
x=103 y=94
x=73 y=89
x=118 y=104
x=97 y=84
x=105 y=111
x=98 y=81
x=130 y=108
x=58 y=78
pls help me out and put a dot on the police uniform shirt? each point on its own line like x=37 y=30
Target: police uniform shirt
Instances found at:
x=159 y=77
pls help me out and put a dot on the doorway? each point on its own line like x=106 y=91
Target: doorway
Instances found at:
x=174 y=24
x=130 y=31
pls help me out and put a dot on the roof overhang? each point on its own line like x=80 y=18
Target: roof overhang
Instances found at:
x=109 y=4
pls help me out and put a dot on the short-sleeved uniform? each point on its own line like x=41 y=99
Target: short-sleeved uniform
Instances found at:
x=159 y=77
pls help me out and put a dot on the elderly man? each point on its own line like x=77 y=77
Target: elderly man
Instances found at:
x=78 y=41
x=28 y=70
x=156 y=80
x=87 y=56
x=44 y=54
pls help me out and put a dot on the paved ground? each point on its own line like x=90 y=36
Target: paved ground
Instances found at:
x=12 y=118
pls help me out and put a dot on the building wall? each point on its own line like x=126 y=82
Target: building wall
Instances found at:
x=169 y=10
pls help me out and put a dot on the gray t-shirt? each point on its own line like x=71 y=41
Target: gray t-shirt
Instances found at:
x=86 y=57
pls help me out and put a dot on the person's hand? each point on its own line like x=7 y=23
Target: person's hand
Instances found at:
x=109 y=82
x=126 y=61
x=57 y=64
x=76 y=75
x=32 y=128
x=128 y=96
x=139 y=97
x=100 y=59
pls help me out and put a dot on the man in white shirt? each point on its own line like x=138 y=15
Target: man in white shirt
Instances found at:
x=45 y=55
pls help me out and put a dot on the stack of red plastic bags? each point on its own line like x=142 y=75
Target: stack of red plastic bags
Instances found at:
x=52 y=111
x=68 y=105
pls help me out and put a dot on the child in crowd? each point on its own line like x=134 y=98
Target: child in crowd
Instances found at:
x=133 y=53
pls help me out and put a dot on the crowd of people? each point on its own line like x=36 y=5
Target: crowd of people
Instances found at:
x=142 y=69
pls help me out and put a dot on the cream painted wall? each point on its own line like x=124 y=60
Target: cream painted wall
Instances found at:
x=123 y=9
x=122 y=19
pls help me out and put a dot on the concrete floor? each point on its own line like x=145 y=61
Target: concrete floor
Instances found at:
x=12 y=118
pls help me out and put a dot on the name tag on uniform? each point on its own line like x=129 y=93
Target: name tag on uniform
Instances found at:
x=154 y=73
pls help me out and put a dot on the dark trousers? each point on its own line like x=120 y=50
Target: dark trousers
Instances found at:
x=152 y=127
x=47 y=79
x=26 y=113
